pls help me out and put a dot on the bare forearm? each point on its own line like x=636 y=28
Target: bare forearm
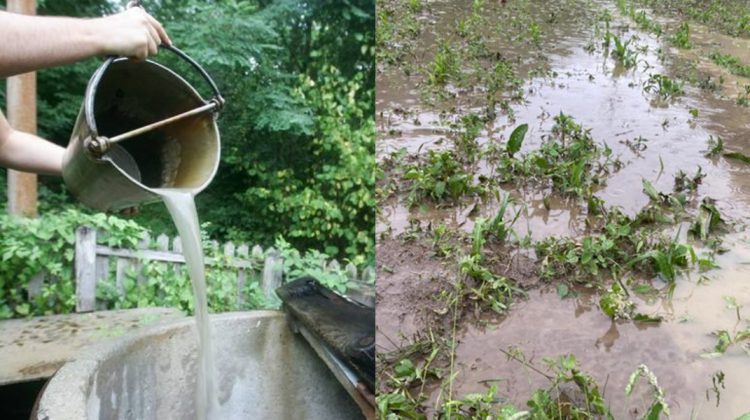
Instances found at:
x=30 y=43
x=33 y=42
x=29 y=153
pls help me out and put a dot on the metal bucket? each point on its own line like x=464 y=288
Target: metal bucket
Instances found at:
x=141 y=127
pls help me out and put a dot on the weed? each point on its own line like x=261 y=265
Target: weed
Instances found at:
x=663 y=87
x=568 y=158
x=686 y=183
x=738 y=156
x=725 y=340
x=731 y=63
x=444 y=66
x=415 y=6
x=707 y=221
x=440 y=177
x=499 y=228
x=622 y=52
x=555 y=402
x=465 y=138
x=681 y=38
x=659 y=405
x=647 y=24
x=616 y=304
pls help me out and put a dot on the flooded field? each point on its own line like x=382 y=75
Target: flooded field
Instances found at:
x=562 y=178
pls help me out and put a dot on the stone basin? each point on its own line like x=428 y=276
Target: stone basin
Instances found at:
x=264 y=371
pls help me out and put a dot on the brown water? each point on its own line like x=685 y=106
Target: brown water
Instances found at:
x=611 y=102
x=181 y=206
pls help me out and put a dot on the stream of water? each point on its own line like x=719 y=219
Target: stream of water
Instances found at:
x=181 y=206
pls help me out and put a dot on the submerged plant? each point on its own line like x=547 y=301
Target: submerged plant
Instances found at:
x=622 y=52
x=664 y=87
x=715 y=146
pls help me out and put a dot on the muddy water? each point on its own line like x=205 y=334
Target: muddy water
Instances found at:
x=546 y=326
x=612 y=103
x=181 y=206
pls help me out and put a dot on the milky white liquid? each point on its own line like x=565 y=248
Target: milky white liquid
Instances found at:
x=181 y=207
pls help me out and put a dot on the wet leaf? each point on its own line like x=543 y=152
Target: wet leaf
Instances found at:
x=404 y=369
x=646 y=318
x=563 y=290
x=516 y=139
x=738 y=156
x=650 y=191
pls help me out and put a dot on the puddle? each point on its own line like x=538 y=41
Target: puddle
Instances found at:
x=547 y=326
x=612 y=103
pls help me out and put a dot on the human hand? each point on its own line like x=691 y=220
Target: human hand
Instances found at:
x=132 y=33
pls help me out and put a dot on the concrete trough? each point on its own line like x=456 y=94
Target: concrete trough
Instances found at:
x=264 y=371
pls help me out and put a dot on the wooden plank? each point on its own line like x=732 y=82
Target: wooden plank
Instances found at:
x=161 y=256
x=242 y=252
x=101 y=268
x=123 y=264
x=177 y=249
x=34 y=288
x=271 y=279
x=85 y=269
x=144 y=244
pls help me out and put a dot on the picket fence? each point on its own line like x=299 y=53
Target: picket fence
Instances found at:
x=93 y=264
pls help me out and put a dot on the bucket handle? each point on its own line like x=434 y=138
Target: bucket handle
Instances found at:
x=217 y=95
x=215 y=103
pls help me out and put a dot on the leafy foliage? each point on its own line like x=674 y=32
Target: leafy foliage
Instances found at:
x=47 y=245
x=297 y=130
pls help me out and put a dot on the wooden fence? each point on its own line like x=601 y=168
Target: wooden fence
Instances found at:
x=93 y=264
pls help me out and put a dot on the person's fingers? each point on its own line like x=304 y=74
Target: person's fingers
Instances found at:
x=153 y=40
x=153 y=46
x=162 y=33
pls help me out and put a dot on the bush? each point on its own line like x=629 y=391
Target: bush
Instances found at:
x=47 y=245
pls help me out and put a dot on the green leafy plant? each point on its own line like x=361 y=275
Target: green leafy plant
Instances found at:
x=625 y=56
x=440 y=177
x=681 y=38
x=664 y=87
x=444 y=66
x=731 y=63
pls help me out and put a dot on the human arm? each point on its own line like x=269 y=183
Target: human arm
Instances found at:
x=34 y=42
x=27 y=152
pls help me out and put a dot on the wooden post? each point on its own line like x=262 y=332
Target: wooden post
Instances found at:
x=85 y=269
x=271 y=279
x=21 y=95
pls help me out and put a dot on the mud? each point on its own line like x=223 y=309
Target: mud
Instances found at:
x=611 y=101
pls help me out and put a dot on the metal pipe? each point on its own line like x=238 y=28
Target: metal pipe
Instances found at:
x=138 y=131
